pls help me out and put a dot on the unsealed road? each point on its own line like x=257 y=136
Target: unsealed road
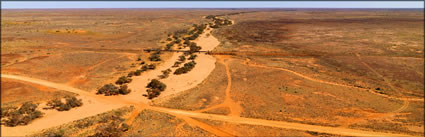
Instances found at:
x=231 y=119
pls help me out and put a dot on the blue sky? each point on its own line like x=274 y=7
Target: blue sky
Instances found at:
x=211 y=4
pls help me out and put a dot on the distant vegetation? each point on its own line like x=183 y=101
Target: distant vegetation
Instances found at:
x=13 y=116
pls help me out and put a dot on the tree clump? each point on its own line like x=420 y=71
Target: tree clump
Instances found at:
x=193 y=57
x=110 y=90
x=123 y=80
x=14 y=116
x=70 y=102
x=155 y=87
x=155 y=56
x=186 y=68
x=194 y=48
x=165 y=74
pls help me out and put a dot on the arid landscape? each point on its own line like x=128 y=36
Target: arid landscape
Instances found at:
x=212 y=72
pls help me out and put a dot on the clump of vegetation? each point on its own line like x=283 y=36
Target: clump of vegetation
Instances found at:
x=186 y=68
x=155 y=56
x=110 y=89
x=182 y=58
x=193 y=57
x=165 y=74
x=150 y=66
x=13 y=116
x=155 y=87
x=111 y=129
x=70 y=102
x=177 y=64
x=194 y=48
x=123 y=80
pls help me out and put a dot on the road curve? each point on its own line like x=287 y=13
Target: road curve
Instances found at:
x=231 y=119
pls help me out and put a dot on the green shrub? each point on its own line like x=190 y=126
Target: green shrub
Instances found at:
x=156 y=84
x=123 y=79
x=124 y=90
x=108 y=90
x=182 y=58
x=20 y=116
x=186 y=68
x=193 y=57
x=165 y=73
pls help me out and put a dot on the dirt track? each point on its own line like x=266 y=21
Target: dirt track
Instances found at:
x=116 y=100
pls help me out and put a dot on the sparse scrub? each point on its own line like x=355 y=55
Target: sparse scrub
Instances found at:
x=182 y=58
x=186 y=68
x=155 y=88
x=165 y=73
x=193 y=57
x=13 y=116
x=123 y=80
x=70 y=102
x=155 y=56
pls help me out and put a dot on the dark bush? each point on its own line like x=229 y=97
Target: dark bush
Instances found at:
x=193 y=57
x=165 y=73
x=123 y=80
x=150 y=66
x=70 y=102
x=108 y=90
x=194 y=48
x=177 y=64
x=138 y=72
x=20 y=116
x=124 y=90
x=182 y=58
x=186 y=68
x=156 y=84
x=155 y=57
x=153 y=93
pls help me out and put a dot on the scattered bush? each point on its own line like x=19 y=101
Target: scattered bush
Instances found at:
x=12 y=116
x=70 y=102
x=123 y=79
x=155 y=56
x=182 y=58
x=194 y=48
x=112 y=129
x=193 y=57
x=165 y=73
x=155 y=88
x=186 y=68
x=150 y=66
x=124 y=90
x=156 y=84
x=177 y=64
x=108 y=90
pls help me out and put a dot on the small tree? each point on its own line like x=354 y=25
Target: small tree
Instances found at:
x=108 y=90
x=182 y=58
x=156 y=84
x=192 y=57
x=123 y=79
x=124 y=90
